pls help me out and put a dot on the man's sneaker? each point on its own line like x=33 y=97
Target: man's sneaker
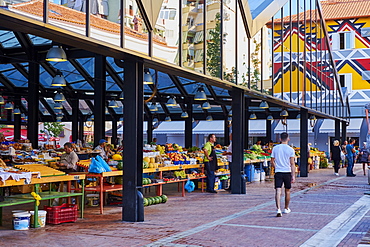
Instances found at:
x=278 y=213
x=336 y=174
x=287 y=210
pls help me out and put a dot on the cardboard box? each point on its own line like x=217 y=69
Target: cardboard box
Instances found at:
x=24 y=189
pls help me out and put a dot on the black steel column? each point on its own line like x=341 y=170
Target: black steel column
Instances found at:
x=114 y=131
x=236 y=169
x=17 y=120
x=81 y=125
x=304 y=143
x=133 y=115
x=149 y=132
x=189 y=126
x=75 y=117
x=337 y=130
x=33 y=100
x=344 y=132
x=226 y=131
x=246 y=124
x=99 y=98
x=268 y=130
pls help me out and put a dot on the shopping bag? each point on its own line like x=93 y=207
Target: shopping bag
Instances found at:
x=96 y=167
x=103 y=163
x=189 y=186
x=342 y=155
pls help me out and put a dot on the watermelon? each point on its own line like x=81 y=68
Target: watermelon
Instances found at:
x=145 y=202
x=164 y=198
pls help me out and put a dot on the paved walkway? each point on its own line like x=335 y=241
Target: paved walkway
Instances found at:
x=326 y=211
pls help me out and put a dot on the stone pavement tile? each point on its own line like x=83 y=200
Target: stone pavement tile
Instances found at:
x=351 y=240
x=293 y=220
x=245 y=236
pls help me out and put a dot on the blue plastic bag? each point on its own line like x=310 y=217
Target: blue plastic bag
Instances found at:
x=103 y=163
x=189 y=186
x=96 y=167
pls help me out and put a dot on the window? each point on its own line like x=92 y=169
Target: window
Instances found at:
x=366 y=75
x=343 y=40
x=346 y=81
x=365 y=32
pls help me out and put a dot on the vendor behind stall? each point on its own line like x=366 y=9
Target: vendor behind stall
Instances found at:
x=69 y=159
x=101 y=148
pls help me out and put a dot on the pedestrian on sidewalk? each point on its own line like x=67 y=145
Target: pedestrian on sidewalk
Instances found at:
x=364 y=157
x=335 y=156
x=350 y=149
x=210 y=163
x=282 y=159
x=344 y=161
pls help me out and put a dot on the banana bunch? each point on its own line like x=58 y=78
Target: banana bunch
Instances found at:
x=37 y=197
x=161 y=149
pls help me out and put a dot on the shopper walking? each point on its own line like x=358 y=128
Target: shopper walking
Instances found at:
x=364 y=157
x=350 y=150
x=210 y=163
x=335 y=156
x=282 y=159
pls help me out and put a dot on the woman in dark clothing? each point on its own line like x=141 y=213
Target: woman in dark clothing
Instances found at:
x=335 y=156
x=364 y=157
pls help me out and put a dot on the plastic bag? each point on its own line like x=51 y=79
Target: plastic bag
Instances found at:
x=189 y=186
x=96 y=167
x=103 y=163
x=342 y=155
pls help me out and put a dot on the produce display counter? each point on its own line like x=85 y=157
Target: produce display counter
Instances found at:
x=48 y=195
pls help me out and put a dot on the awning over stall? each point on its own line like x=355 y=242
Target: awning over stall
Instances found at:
x=293 y=127
x=174 y=127
x=328 y=126
x=209 y=127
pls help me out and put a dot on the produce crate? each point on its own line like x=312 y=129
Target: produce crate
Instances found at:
x=61 y=214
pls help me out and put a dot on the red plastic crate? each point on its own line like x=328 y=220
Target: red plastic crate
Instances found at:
x=61 y=214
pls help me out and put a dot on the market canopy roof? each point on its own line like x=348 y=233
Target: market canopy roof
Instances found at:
x=172 y=127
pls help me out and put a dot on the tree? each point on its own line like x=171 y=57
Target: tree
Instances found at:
x=214 y=63
x=53 y=129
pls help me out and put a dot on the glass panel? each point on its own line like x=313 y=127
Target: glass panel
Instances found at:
x=192 y=31
x=38 y=40
x=46 y=78
x=8 y=39
x=243 y=52
x=84 y=108
x=105 y=21
x=67 y=107
x=255 y=62
x=166 y=85
x=256 y=7
x=14 y=76
x=88 y=65
x=31 y=9
x=116 y=68
x=166 y=32
x=213 y=38
x=111 y=85
x=43 y=109
x=136 y=34
x=228 y=39
x=69 y=72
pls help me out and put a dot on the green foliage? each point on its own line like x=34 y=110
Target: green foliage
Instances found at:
x=53 y=128
x=214 y=63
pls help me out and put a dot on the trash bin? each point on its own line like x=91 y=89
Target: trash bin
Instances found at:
x=249 y=172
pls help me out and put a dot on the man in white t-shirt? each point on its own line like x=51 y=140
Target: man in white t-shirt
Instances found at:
x=282 y=159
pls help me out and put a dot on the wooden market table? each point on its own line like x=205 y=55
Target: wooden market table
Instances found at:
x=48 y=195
x=101 y=188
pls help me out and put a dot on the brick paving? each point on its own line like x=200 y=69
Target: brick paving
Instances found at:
x=222 y=219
